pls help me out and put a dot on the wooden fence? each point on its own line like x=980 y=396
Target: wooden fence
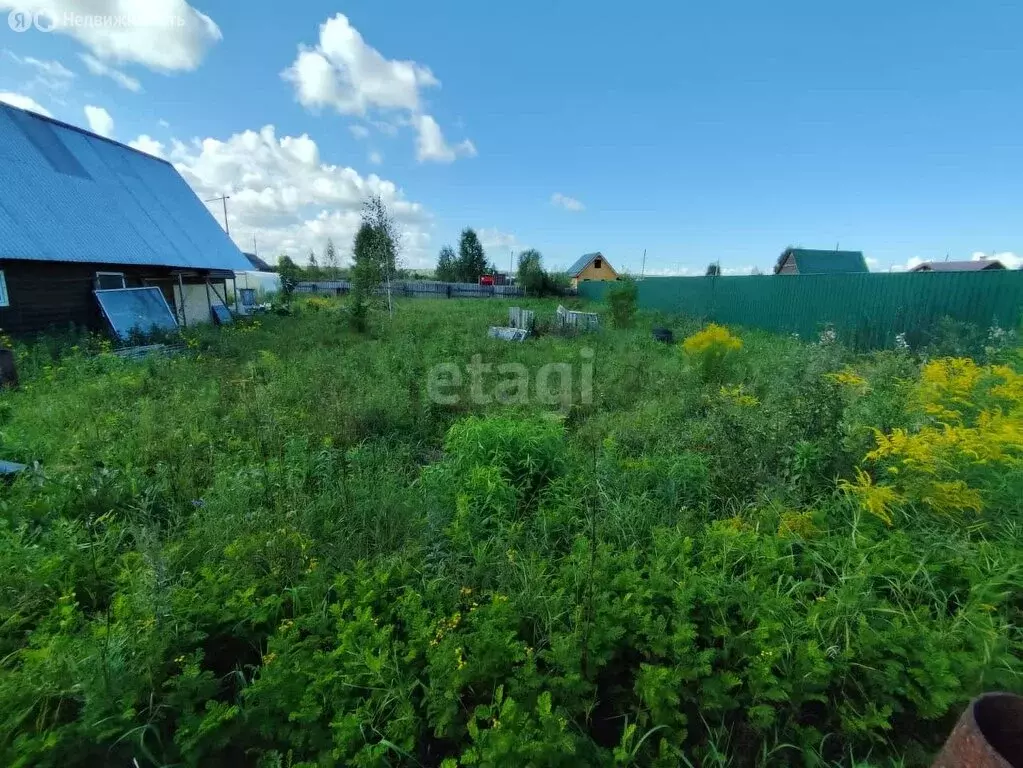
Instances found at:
x=415 y=289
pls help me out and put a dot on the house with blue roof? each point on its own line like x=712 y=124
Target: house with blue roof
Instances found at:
x=591 y=266
x=80 y=213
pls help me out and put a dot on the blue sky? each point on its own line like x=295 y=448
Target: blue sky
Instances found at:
x=699 y=132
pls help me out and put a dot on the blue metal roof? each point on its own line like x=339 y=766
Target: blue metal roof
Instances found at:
x=582 y=262
x=70 y=195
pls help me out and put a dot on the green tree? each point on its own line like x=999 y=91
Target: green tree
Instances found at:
x=531 y=275
x=375 y=252
x=291 y=274
x=472 y=259
x=447 y=266
x=623 y=298
x=713 y=269
x=330 y=259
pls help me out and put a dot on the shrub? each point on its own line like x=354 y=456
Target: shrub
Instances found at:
x=623 y=298
x=713 y=349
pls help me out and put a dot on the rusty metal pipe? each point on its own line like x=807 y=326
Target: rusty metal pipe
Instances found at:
x=988 y=735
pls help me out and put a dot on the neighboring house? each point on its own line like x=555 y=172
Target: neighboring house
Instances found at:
x=804 y=261
x=257 y=264
x=80 y=213
x=957 y=266
x=591 y=266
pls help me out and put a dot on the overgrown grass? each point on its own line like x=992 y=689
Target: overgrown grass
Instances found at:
x=276 y=550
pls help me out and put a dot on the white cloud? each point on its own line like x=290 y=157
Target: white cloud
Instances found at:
x=47 y=67
x=491 y=237
x=99 y=120
x=730 y=271
x=375 y=157
x=346 y=73
x=99 y=68
x=872 y=264
x=24 y=102
x=147 y=144
x=285 y=194
x=676 y=271
x=431 y=146
x=1009 y=259
x=165 y=35
x=49 y=74
x=163 y=123
x=559 y=200
x=342 y=71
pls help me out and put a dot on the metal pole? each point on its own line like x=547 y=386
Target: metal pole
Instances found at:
x=223 y=199
x=642 y=270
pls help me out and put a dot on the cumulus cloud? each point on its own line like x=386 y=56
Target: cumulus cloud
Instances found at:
x=147 y=144
x=24 y=102
x=99 y=121
x=345 y=73
x=559 y=200
x=165 y=35
x=431 y=146
x=287 y=196
x=100 y=69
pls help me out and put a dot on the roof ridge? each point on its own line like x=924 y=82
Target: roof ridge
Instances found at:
x=79 y=129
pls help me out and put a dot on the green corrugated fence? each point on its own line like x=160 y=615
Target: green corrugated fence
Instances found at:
x=866 y=310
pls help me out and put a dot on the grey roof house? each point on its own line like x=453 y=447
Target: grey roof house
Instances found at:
x=958 y=266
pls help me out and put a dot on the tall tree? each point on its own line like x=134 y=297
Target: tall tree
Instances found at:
x=330 y=259
x=713 y=269
x=472 y=259
x=447 y=266
x=375 y=252
x=290 y=274
x=530 y=274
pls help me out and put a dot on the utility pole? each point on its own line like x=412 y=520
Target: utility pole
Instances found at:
x=223 y=199
x=642 y=270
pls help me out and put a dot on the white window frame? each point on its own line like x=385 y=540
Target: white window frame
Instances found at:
x=124 y=283
x=5 y=299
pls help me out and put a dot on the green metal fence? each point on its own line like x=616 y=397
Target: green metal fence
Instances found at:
x=866 y=310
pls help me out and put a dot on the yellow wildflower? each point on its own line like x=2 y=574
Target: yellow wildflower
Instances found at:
x=736 y=395
x=876 y=499
x=712 y=338
x=849 y=378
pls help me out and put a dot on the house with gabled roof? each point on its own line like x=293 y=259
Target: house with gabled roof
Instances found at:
x=591 y=266
x=806 y=261
x=81 y=214
x=981 y=265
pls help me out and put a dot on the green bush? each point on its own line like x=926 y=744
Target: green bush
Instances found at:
x=275 y=550
x=623 y=298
